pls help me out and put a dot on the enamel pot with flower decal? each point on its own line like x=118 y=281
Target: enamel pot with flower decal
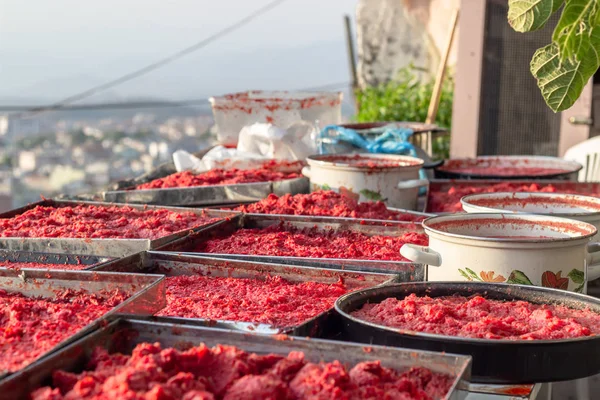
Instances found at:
x=509 y=248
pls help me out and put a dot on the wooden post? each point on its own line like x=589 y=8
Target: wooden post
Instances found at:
x=351 y=59
x=439 y=81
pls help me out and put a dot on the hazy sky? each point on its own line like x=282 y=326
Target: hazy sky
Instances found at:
x=53 y=48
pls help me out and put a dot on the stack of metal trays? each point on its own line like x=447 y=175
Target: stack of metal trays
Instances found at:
x=325 y=324
x=208 y=195
x=146 y=292
x=86 y=262
x=99 y=247
x=123 y=334
x=407 y=271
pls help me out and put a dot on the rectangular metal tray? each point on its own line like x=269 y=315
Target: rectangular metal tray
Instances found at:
x=123 y=334
x=400 y=210
x=100 y=247
x=208 y=195
x=53 y=258
x=147 y=292
x=407 y=271
x=443 y=185
x=322 y=325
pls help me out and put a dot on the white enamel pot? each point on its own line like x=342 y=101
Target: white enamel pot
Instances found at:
x=397 y=185
x=509 y=248
x=572 y=206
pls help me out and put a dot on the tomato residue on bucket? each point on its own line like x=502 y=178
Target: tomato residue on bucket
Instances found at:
x=362 y=161
x=478 y=317
x=471 y=226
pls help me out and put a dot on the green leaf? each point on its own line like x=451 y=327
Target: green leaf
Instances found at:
x=529 y=15
x=371 y=195
x=556 y=5
x=464 y=274
x=561 y=83
x=573 y=31
x=473 y=274
x=579 y=289
x=576 y=276
x=519 y=278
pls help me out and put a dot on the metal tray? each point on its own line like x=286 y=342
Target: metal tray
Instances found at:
x=400 y=210
x=407 y=271
x=52 y=258
x=494 y=361
x=208 y=195
x=443 y=185
x=123 y=334
x=99 y=247
x=323 y=325
x=147 y=292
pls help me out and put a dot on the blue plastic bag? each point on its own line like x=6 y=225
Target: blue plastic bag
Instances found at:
x=391 y=140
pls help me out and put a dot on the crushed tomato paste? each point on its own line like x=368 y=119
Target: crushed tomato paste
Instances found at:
x=99 y=222
x=36 y=265
x=281 y=240
x=272 y=301
x=269 y=171
x=228 y=373
x=449 y=201
x=29 y=327
x=478 y=317
x=326 y=203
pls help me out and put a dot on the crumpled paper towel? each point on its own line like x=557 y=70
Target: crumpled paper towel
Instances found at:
x=257 y=143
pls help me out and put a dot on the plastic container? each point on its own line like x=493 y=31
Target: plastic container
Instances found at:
x=234 y=111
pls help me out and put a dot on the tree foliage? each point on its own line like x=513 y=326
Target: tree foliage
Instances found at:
x=563 y=67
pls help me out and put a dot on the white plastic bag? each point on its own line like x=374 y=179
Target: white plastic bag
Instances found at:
x=295 y=143
x=257 y=143
x=217 y=157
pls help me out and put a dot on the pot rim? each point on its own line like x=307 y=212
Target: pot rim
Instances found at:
x=319 y=160
x=466 y=201
x=534 y=219
x=569 y=167
x=459 y=339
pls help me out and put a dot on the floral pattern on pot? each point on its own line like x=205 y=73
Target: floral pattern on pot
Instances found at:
x=578 y=277
x=519 y=278
x=484 y=276
x=489 y=277
x=555 y=281
x=348 y=193
x=372 y=195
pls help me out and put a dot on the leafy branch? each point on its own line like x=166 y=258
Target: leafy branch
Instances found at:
x=563 y=67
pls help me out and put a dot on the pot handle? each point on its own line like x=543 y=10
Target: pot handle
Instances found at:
x=412 y=184
x=421 y=255
x=593 y=259
x=306 y=172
